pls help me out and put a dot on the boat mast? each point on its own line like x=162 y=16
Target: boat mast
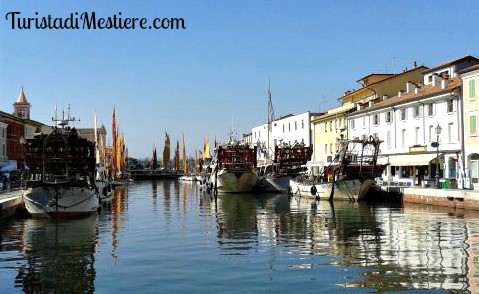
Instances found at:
x=270 y=119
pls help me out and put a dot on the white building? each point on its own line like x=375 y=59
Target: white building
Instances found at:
x=285 y=131
x=470 y=82
x=407 y=126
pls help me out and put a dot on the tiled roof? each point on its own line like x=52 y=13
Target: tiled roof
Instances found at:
x=425 y=91
x=468 y=69
x=388 y=78
x=447 y=63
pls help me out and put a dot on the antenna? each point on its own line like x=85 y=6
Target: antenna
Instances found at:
x=64 y=120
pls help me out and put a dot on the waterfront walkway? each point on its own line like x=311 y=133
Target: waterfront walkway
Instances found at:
x=9 y=201
x=456 y=198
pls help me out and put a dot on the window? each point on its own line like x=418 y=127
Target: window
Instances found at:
x=472 y=125
x=364 y=122
x=352 y=124
x=302 y=123
x=331 y=147
x=388 y=117
x=295 y=125
x=403 y=114
x=289 y=127
x=430 y=109
x=388 y=139
x=417 y=136
x=431 y=134
x=376 y=119
x=472 y=89
x=450 y=130
x=403 y=137
x=474 y=167
x=330 y=126
x=375 y=135
x=255 y=135
x=417 y=111
x=450 y=105
x=364 y=137
x=326 y=148
x=325 y=127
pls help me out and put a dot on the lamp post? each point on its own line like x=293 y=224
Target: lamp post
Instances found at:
x=438 y=132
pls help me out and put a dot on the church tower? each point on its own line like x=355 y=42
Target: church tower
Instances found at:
x=21 y=108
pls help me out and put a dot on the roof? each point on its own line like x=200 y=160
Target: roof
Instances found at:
x=374 y=77
x=329 y=115
x=21 y=97
x=450 y=62
x=380 y=81
x=468 y=69
x=426 y=91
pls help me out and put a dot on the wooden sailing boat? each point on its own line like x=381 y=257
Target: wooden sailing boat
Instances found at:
x=176 y=161
x=233 y=168
x=165 y=161
x=270 y=178
x=154 y=161
x=186 y=176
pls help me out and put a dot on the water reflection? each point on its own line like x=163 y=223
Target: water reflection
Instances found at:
x=394 y=248
x=272 y=240
x=59 y=256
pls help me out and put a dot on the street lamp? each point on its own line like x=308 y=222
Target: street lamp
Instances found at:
x=438 y=132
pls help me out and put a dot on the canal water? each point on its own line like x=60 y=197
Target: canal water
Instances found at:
x=169 y=237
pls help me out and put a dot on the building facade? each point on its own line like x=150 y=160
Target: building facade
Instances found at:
x=470 y=83
x=421 y=129
x=3 y=141
x=329 y=127
x=284 y=131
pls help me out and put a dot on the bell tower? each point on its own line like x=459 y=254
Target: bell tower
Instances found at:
x=21 y=108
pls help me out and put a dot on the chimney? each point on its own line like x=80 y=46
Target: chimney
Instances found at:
x=435 y=79
x=400 y=94
x=347 y=92
x=414 y=64
x=371 y=103
x=417 y=89
x=385 y=97
x=410 y=87
x=444 y=83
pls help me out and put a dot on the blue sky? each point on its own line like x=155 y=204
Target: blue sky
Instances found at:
x=213 y=76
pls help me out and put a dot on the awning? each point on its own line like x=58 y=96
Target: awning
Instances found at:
x=409 y=159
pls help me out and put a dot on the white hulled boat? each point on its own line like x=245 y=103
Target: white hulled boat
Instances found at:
x=346 y=178
x=61 y=173
x=234 y=169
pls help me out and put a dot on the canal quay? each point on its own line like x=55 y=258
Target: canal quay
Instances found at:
x=168 y=236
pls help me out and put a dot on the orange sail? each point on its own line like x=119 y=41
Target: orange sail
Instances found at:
x=113 y=134
x=184 y=154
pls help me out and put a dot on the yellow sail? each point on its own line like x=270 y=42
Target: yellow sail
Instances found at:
x=206 y=149
x=184 y=154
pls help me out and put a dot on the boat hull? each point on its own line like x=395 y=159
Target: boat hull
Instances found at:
x=273 y=184
x=234 y=182
x=72 y=201
x=346 y=190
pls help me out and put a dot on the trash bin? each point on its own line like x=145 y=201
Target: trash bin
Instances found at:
x=446 y=184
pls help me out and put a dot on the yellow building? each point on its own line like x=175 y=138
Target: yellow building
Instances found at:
x=328 y=128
